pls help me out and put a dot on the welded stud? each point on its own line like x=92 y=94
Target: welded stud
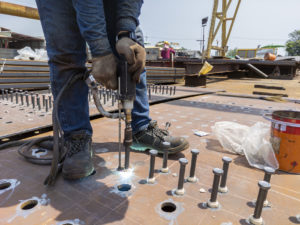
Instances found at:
x=256 y=218
x=180 y=190
x=166 y=146
x=269 y=171
x=213 y=203
x=226 y=161
x=192 y=178
x=151 y=178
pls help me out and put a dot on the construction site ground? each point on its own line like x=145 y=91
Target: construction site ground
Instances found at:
x=97 y=199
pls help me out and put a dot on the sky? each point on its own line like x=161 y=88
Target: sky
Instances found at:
x=259 y=22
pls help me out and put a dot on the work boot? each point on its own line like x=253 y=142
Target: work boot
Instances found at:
x=78 y=162
x=153 y=137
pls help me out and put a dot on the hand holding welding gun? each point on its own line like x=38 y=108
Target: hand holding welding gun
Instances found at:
x=104 y=70
x=135 y=55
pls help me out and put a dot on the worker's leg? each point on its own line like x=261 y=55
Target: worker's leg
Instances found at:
x=147 y=134
x=140 y=112
x=92 y=25
x=67 y=56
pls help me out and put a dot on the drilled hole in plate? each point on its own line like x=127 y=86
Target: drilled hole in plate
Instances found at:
x=29 y=204
x=8 y=122
x=42 y=115
x=0 y=118
x=168 y=207
x=67 y=224
x=93 y=173
x=124 y=187
x=5 y=185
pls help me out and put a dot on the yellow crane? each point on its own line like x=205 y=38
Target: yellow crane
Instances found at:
x=223 y=22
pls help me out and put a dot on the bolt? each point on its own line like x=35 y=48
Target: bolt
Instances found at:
x=6 y=93
x=151 y=178
x=50 y=102
x=226 y=161
x=104 y=98
x=33 y=101
x=170 y=90
x=159 y=88
x=38 y=102
x=192 y=178
x=11 y=96
x=262 y=195
x=22 y=98
x=155 y=89
x=166 y=146
x=213 y=203
x=180 y=190
x=27 y=99
x=100 y=93
x=46 y=104
x=149 y=93
x=174 y=90
x=44 y=98
x=107 y=95
x=113 y=99
x=167 y=89
x=163 y=89
x=49 y=89
x=17 y=98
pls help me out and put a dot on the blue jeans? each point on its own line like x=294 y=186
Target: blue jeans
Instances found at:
x=67 y=26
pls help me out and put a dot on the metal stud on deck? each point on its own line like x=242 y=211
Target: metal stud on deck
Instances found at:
x=180 y=190
x=213 y=203
x=256 y=218
x=192 y=178
x=151 y=178
x=226 y=161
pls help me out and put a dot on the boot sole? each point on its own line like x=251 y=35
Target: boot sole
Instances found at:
x=76 y=176
x=142 y=148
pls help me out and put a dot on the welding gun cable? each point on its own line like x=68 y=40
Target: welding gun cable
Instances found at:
x=58 y=138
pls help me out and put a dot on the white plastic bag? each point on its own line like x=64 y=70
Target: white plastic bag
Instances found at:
x=28 y=54
x=253 y=142
x=230 y=135
x=257 y=147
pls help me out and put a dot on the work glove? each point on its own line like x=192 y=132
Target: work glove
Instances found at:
x=135 y=55
x=104 y=70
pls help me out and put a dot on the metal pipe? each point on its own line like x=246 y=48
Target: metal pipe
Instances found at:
x=180 y=190
x=19 y=10
x=253 y=68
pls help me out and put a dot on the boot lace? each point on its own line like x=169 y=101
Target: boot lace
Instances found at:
x=76 y=145
x=158 y=132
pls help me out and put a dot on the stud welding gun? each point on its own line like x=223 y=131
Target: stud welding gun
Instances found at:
x=126 y=96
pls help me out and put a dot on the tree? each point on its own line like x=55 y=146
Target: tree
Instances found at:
x=232 y=53
x=293 y=44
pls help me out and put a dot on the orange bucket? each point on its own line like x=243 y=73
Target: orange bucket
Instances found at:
x=285 y=139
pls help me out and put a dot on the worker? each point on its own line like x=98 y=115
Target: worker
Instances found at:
x=110 y=28
x=167 y=51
